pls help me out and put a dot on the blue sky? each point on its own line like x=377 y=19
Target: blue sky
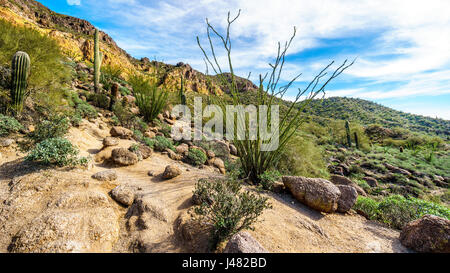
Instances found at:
x=403 y=47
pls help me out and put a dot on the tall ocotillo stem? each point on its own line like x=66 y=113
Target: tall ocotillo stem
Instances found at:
x=20 y=72
x=347 y=130
x=182 y=95
x=97 y=61
x=356 y=140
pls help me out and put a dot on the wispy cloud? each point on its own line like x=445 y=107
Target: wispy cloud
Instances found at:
x=74 y=2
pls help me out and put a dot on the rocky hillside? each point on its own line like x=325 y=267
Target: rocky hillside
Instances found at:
x=75 y=36
x=367 y=112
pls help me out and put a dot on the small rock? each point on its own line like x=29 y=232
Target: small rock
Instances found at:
x=243 y=242
x=121 y=132
x=122 y=195
x=210 y=154
x=124 y=157
x=182 y=149
x=371 y=181
x=110 y=141
x=150 y=134
x=171 y=171
x=151 y=173
x=173 y=155
x=233 y=150
x=6 y=142
x=108 y=175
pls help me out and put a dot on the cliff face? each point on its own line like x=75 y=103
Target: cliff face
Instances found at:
x=75 y=36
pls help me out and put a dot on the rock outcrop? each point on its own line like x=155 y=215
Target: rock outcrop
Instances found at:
x=123 y=157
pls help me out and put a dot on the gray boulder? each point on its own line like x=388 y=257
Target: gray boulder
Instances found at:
x=243 y=242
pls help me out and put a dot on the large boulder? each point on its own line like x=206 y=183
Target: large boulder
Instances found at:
x=142 y=151
x=342 y=180
x=171 y=171
x=243 y=242
x=317 y=193
x=347 y=199
x=123 y=157
x=427 y=234
x=121 y=132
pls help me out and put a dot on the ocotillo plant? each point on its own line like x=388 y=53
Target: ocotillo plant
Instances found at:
x=182 y=95
x=20 y=71
x=114 y=95
x=347 y=130
x=356 y=140
x=97 y=61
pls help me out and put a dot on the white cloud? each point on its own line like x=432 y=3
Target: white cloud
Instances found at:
x=411 y=37
x=74 y=2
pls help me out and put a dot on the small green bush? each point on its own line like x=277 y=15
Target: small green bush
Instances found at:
x=396 y=210
x=368 y=206
x=268 y=179
x=54 y=128
x=162 y=143
x=9 y=125
x=227 y=208
x=56 y=151
x=196 y=157
x=149 y=142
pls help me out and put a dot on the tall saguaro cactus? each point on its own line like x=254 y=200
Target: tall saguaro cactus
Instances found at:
x=347 y=130
x=97 y=61
x=356 y=140
x=182 y=95
x=20 y=72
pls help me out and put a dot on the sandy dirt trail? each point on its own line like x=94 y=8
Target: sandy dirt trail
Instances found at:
x=288 y=227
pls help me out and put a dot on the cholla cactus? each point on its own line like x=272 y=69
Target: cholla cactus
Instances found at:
x=20 y=72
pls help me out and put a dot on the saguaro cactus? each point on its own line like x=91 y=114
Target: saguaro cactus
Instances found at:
x=97 y=61
x=182 y=95
x=20 y=72
x=356 y=140
x=347 y=130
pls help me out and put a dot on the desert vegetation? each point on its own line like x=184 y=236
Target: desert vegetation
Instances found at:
x=394 y=167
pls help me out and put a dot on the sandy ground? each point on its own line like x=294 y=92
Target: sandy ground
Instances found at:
x=288 y=227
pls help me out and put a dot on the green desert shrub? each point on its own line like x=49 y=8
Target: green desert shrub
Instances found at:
x=368 y=206
x=9 y=125
x=56 y=151
x=163 y=143
x=149 y=141
x=396 y=210
x=226 y=208
x=268 y=179
x=196 y=157
x=303 y=157
x=149 y=98
x=55 y=128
